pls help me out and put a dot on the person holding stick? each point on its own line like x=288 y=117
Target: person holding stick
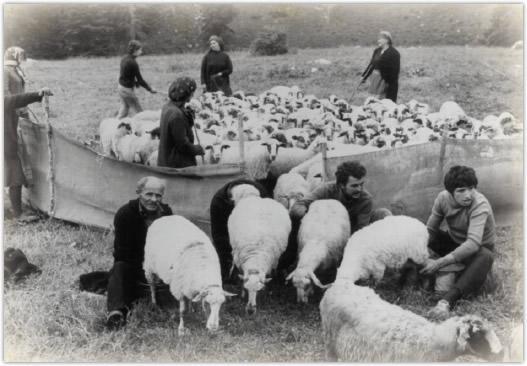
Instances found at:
x=176 y=143
x=130 y=77
x=384 y=69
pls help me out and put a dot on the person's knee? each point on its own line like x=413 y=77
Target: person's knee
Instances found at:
x=486 y=256
x=379 y=214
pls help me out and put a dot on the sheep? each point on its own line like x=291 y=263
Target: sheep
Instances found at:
x=152 y=159
x=140 y=127
x=258 y=230
x=359 y=326
x=288 y=158
x=289 y=188
x=323 y=233
x=136 y=149
x=110 y=131
x=182 y=256
x=148 y=115
x=452 y=112
x=258 y=156
x=390 y=242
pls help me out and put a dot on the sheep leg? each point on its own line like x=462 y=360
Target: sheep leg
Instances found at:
x=181 y=330
x=150 y=278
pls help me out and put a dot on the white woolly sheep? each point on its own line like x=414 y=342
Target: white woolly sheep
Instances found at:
x=359 y=326
x=290 y=157
x=259 y=231
x=182 y=256
x=289 y=188
x=110 y=131
x=148 y=115
x=140 y=127
x=322 y=236
x=389 y=242
x=152 y=159
x=136 y=149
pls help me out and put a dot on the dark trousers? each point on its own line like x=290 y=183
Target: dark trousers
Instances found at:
x=126 y=284
x=219 y=214
x=477 y=267
x=15 y=196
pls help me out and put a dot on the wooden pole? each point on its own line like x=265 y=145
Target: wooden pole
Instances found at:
x=51 y=159
x=242 y=142
x=324 y=146
x=199 y=143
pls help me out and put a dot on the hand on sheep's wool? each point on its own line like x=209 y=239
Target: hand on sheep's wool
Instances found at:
x=432 y=265
x=45 y=91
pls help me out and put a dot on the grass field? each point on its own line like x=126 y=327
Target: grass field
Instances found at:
x=47 y=319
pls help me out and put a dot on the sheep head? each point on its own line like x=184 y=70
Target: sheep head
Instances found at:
x=272 y=147
x=214 y=296
x=253 y=281
x=476 y=336
x=303 y=280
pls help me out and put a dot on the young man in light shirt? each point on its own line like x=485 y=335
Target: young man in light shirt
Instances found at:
x=469 y=239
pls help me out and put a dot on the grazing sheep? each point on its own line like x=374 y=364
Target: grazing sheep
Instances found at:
x=322 y=236
x=183 y=257
x=389 y=242
x=359 y=326
x=259 y=230
x=289 y=188
x=110 y=131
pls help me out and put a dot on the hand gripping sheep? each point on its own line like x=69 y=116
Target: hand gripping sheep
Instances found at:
x=182 y=255
x=322 y=236
x=390 y=242
x=258 y=230
x=359 y=326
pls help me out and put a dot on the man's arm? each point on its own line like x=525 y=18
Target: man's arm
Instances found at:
x=436 y=217
x=16 y=101
x=364 y=215
x=471 y=245
x=139 y=77
x=121 y=248
x=300 y=207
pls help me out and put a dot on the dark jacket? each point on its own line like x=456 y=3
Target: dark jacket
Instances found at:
x=213 y=63
x=14 y=83
x=359 y=209
x=388 y=64
x=130 y=233
x=176 y=144
x=130 y=76
x=11 y=104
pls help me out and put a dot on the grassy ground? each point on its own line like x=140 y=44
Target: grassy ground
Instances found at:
x=482 y=80
x=48 y=319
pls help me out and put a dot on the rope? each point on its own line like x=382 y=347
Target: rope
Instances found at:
x=51 y=170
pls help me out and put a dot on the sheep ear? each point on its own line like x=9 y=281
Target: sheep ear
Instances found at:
x=230 y=294
x=463 y=334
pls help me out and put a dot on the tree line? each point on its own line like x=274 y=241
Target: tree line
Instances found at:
x=54 y=31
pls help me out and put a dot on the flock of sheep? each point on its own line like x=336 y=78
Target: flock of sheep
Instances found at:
x=283 y=128
x=355 y=319
x=284 y=131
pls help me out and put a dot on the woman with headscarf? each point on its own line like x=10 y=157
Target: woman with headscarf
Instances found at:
x=176 y=145
x=216 y=68
x=129 y=78
x=384 y=69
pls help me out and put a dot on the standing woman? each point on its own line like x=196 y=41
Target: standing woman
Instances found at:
x=384 y=69
x=130 y=77
x=176 y=144
x=216 y=68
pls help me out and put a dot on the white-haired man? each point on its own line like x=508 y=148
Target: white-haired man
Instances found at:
x=131 y=223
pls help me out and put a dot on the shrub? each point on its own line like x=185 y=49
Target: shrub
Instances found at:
x=269 y=44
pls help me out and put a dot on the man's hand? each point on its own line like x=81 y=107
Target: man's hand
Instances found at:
x=433 y=265
x=45 y=91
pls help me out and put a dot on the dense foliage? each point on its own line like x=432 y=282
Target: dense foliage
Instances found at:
x=64 y=30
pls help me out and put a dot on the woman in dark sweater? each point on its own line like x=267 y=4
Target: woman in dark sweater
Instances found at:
x=176 y=144
x=130 y=77
x=216 y=68
x=384 y=69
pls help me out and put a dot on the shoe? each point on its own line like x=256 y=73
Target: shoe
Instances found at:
x=441 y=310
x=115 y=320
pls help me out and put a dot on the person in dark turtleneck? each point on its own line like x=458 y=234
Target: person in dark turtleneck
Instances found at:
x=216 y=68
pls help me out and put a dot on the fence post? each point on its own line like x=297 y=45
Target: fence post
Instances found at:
x=51 y=158
x=241 y=142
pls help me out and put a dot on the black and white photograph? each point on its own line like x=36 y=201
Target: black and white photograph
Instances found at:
x=192 y=182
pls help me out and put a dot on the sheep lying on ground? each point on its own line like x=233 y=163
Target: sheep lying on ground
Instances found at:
x=390 y=242
x=258 y=230
x=322 y=236
x=110 y=131
x=289 y=188
x=359 y=326
x=183 y=257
